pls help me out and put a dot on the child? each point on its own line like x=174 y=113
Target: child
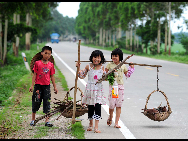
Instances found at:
x=93 y=95
x=117 y=56
x=43 y=71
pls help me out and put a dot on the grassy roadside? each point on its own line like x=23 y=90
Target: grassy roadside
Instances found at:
x=15 y=81
x=174 y=56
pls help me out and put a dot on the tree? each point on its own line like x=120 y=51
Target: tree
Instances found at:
x=184 y=41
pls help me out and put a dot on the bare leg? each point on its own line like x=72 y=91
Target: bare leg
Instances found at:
x=33 y=116
x=96 y=126
x=47 y=119
x=118 y=112
x=90 y=125
x=111 y=113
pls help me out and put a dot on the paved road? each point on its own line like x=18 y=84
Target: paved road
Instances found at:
x=173 y=80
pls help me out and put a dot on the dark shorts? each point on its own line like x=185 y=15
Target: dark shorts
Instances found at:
x=45 y=94
x=94 y=111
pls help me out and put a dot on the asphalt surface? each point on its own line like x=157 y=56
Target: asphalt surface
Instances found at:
x=173 y=80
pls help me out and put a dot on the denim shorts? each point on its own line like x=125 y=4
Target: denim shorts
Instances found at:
x=45 y=95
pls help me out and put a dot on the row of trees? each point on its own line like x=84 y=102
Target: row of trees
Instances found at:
x=59 y=24
x=16 y=18
x=103 y=23
x=22 y=23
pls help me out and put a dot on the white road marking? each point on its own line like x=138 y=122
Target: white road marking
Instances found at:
x=124 y=130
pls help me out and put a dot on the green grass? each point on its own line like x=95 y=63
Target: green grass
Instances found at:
x=61 y=78
x=13 y=71
x=78 y=130
x=15 y=81
x=174 y=57
x=175 y=48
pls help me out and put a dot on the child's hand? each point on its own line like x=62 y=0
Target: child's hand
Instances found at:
x=132 y=66
x=31 y=89
x=77 y=65
x=55 y=90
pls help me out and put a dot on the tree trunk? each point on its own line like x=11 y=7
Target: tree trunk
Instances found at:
x=96 y=39
x=14 y=44
x=166 y=24
x=114 y=41
x=159 y=36
x=169 y=35
x=119 y=30
x=110 y=36
x=1 y=35
x=27 y=36
x=103 y=38
x=17 y=38
x=131 y=38
x=134 y=37
x=5 y=39
x=137 y=43
x=100 y=41
x=107 y=37
x=127 y=34
x=152 y=19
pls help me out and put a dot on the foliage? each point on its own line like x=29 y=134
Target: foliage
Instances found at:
x=78 y=130
x=121 y=42
x=110 y=78
x=59 y=24
x=184 y=41
x=18 y=29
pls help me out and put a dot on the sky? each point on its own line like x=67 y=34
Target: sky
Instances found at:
x=70 y=9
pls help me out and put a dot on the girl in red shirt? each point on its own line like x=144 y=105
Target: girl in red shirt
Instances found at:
x=43 y=71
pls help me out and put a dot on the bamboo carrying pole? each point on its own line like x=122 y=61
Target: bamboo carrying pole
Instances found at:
x=131 y=64
x=75 y=89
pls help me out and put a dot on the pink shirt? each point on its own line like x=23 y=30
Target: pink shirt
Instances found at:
x=43 y=72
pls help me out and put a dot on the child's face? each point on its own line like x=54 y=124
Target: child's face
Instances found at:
x=115 y=58
x=96 y=60
x=46 y=54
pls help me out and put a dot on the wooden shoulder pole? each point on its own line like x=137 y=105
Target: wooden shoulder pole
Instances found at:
x=75 y=89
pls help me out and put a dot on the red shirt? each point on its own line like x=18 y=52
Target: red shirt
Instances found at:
x=43 y=72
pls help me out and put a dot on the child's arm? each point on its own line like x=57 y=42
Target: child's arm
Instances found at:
x=130 y=71
x=82 y=73
x=53 y=82
x=33 y=82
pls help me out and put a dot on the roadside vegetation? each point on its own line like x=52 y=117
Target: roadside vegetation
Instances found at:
x=15 y=104
x=177 y=53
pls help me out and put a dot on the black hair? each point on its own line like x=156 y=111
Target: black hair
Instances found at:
x=46 y=48
x=96 y=53
x=119 y=52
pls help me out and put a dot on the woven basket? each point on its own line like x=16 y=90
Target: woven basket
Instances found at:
x=37 y=57
x=79 y=109
x=161 y=116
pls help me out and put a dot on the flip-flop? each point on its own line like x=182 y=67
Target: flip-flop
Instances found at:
x=89 y=128
x=97 y=131
x=117 y=126
x=109 y=122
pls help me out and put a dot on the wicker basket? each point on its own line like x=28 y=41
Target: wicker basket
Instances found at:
x=161 y=116
x=79 y=109
x=37 y=57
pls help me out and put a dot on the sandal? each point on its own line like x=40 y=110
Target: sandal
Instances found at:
x=48 y=124
x=97 y=131
x=89 y=128
x=117 y=126
x=109 y=122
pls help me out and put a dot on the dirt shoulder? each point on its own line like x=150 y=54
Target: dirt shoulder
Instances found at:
x=60 y=129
